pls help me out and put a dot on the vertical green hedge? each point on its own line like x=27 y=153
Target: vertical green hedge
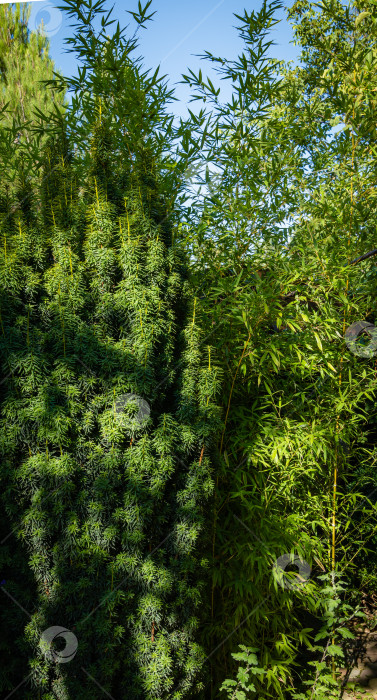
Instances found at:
x=94 y=308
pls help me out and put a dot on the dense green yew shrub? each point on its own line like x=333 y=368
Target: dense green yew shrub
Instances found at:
x=109 y=502
x=24 y=258
x=24 y=61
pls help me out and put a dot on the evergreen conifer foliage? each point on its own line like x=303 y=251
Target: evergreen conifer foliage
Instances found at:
x=24 y=65
x=24 y=258
x=108 y=499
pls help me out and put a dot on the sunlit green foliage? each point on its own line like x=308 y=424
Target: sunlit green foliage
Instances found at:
x=167 y=544
x=24 y=64
x=271 y=240
x=110 y=506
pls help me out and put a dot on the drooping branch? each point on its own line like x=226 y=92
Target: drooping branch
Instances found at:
x=363 y=257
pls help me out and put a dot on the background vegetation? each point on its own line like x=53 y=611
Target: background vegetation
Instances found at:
x=229 y=543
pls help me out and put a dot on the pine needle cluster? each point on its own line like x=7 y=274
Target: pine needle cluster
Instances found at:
x=108 y=415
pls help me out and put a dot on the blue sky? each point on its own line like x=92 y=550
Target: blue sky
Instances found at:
x=178 y=30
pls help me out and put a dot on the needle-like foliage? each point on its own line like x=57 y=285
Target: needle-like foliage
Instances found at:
x=107 y=424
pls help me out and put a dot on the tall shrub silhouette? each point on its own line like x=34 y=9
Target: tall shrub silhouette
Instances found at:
x=107 y=422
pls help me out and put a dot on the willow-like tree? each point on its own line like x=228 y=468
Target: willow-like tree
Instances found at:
x=271 y=247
